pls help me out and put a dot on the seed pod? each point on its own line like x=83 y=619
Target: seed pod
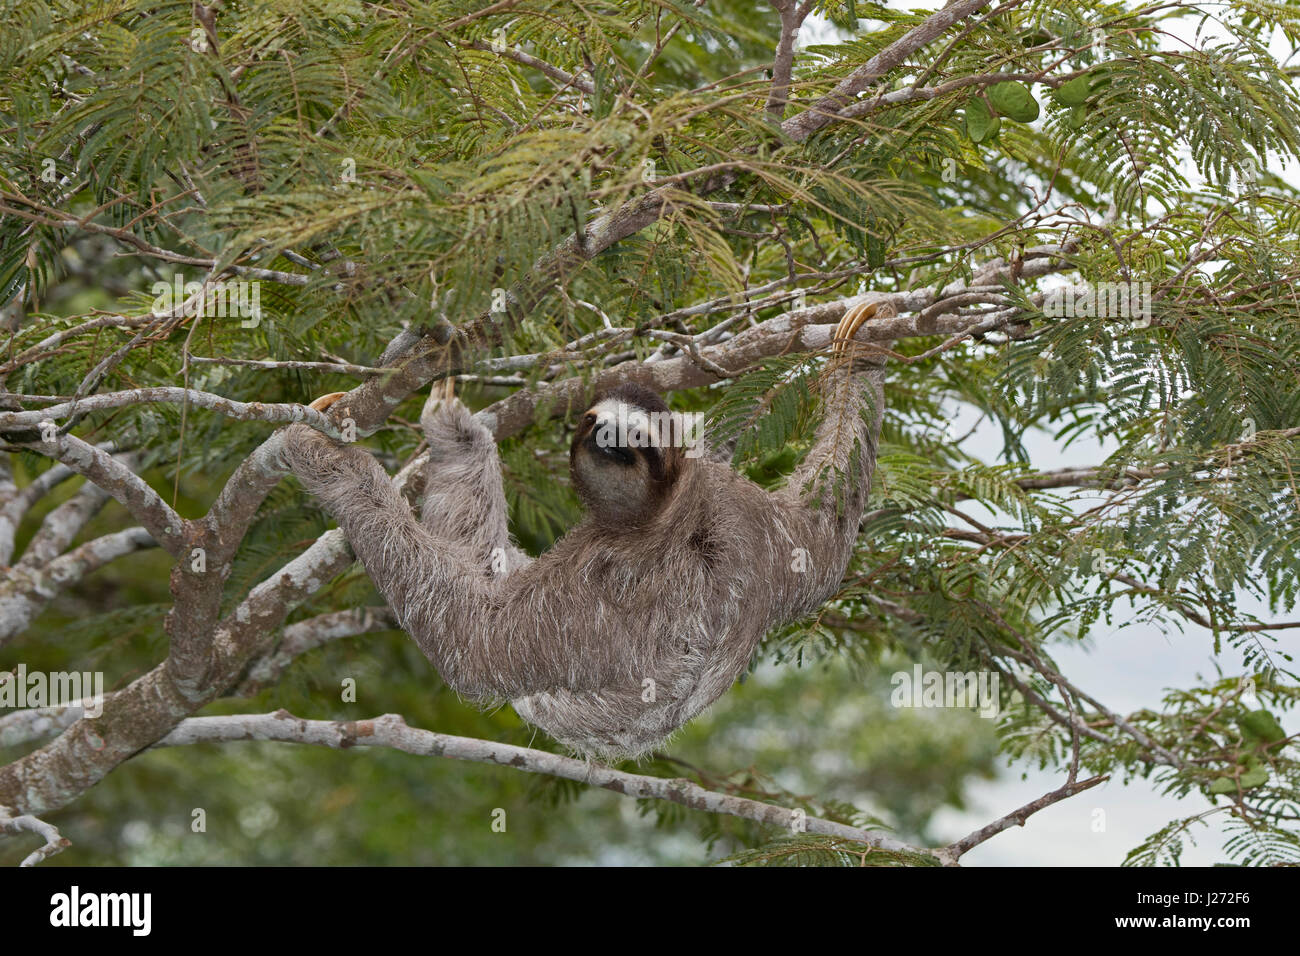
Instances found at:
x=1014 y=101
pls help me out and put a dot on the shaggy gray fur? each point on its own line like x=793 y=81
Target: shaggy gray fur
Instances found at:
x=618 y=635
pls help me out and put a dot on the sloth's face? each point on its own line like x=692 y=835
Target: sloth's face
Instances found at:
x=623 y=460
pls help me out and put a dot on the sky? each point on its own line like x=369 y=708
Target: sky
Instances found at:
x=1126 y=668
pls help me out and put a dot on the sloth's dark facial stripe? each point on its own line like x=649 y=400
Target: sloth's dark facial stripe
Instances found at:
x=655 y=463
x=616 y=453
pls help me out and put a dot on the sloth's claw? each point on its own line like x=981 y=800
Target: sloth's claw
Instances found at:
x=439 y=393
x=849 y=324
x=325 y=401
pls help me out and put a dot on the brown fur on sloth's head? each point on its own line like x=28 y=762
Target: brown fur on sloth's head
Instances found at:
x=627 y=455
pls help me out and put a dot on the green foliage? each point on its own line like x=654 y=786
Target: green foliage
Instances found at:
x=822 y=851
x=766 y=409
x=396 y=171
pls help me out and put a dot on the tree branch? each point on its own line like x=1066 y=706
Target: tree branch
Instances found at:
x=167 y=527
x=54 y=843
x=18 y=501
x=240 y=411
x=552 y=71
x=953 y=851
x=792 y=16
x=26 y=590
x=39 y=723
x=303 y=636
x=390 y=730
x=63 y=524
x=827 y=109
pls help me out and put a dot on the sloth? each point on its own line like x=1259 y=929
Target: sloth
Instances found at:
x=648 y=610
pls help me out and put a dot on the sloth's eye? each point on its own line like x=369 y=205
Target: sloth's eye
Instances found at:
x=589 y=418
